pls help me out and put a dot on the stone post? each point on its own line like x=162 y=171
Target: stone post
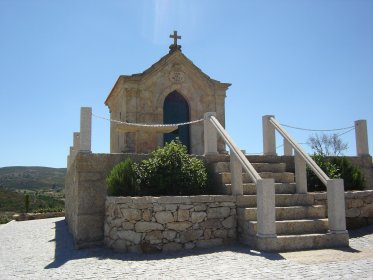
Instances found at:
x=85 y=129
x=288 y=149
x=269 y=137
x=361 y=132
x=76 y=141
x=266 y=211
x=210 y=135
x=336 y=206
x=75 y=148
x=70 y=156
x=300 y=174
x=236 y=174
x=68 y=161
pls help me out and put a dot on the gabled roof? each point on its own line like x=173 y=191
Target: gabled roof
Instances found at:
x=159 y=64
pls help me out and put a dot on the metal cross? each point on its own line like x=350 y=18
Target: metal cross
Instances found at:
x=175 y=37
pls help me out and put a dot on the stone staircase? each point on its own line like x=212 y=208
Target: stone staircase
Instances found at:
x=300 y=223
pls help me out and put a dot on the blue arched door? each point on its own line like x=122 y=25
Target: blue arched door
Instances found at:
x=176 y=110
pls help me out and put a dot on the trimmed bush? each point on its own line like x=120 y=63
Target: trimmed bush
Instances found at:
x=122 y=180
x=171 y=171
x=168 y=171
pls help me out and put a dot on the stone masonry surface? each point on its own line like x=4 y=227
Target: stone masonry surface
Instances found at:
x=43 y=249
x=169 y=223
x=359 y=207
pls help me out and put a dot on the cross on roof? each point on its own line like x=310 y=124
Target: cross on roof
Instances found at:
x=175 y=37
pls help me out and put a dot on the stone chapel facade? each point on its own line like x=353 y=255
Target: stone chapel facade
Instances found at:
x=173 y=90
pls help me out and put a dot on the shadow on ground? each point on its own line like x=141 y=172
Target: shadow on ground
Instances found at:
x=361 y=232
x=65 y=251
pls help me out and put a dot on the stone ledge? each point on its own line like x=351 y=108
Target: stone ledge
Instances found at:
x=36 y=216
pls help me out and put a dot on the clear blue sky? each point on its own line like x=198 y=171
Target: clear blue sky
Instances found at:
x=308 y=62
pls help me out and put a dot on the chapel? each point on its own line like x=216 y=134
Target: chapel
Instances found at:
x=175 y=99
x=172 y=91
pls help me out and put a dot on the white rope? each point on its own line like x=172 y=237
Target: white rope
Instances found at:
x=308 y=129
x=279 y=146
x=343 y=133
x=148 y=125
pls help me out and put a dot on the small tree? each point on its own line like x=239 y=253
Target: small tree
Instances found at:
x=27 y=203
x=327 y=148
x=327 y=145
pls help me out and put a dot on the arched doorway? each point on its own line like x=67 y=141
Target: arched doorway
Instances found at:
x=176 y=110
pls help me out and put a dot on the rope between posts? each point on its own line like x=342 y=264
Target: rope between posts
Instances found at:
x=148 y=125
x=343 y=133
x=308 y=129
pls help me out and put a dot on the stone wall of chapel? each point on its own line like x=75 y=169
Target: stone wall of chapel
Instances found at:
x=142 y=102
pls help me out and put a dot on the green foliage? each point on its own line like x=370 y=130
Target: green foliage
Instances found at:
x=330 y=169
x=171 y=171
x=48 y=210
x=336 y=167
x=352 y=176
x=32 y=178
x=4 y=219
x=12 y=202
x=168 y=171
x=122 y=180
x=27 y=203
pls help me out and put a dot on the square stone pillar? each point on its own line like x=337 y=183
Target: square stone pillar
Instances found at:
x=85 y=129
x=76 y=141
x=288 y=149
x=361 y=132
x=210 y=135
x=266 y=210
x=269 y=137
x=300 y=174
x=236 y=174
x=336 y=206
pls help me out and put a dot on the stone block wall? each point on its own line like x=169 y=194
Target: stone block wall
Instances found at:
x=151 y=224
x=359 y=207
x=85 y=194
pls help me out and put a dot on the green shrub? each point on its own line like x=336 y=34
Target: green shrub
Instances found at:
x=168 y=171
x=337 y=167
x=122 y=180
x=352 y=176
x=171 y=171
x=48 y=210
x=4 y=219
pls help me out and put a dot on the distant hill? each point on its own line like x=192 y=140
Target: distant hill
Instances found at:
x=32 y=178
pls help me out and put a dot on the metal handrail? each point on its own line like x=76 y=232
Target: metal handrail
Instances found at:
x=247 y=166
x=310 y=162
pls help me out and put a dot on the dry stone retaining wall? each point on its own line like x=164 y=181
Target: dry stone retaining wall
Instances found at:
x=359 y=207
x=151 y=224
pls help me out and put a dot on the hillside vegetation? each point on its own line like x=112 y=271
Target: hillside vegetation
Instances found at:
x=32 y=178
x=43 y=185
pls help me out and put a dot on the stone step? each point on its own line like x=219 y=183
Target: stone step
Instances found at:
x=281 y=200
x=290 y=227
x=250 y=188
x=283 y=177
x=297 y=199
x=283 y=243
x=220 y=167
x=287 y=213
x=269 y=159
